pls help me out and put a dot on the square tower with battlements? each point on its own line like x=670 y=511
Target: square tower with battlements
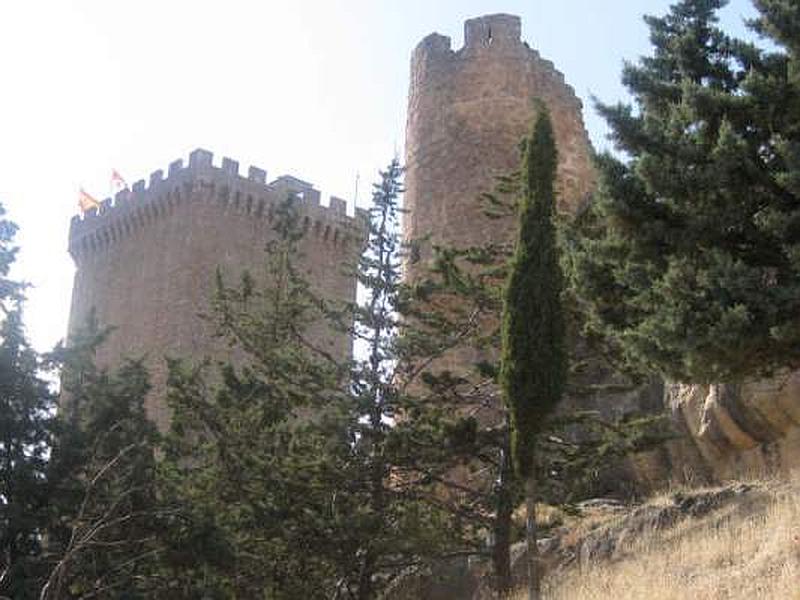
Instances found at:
x=146 y=260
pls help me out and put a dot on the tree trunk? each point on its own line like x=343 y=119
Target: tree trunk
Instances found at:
x=531 y=534
x=501 y=550
x=365 y=591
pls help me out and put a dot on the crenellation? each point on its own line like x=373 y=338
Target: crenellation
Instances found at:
x=257 y=175
x=337 y=205
x=175 y=167
x=312 y=197
x=202 y=181
x=492 y=31
x=199 y=159
x=361 y=218
x=230 y=166
x=432 y=45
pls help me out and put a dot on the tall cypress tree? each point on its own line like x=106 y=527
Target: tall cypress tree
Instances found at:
x=533 y=364
x=688 y=262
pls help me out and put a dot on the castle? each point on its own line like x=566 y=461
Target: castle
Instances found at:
x=146 y=261
x=468 y=110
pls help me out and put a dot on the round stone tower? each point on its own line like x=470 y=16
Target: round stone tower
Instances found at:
x=467 y=112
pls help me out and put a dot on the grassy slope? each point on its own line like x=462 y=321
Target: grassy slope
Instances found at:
x=747 y=548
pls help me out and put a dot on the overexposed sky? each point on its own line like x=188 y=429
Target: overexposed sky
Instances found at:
x=312 y=88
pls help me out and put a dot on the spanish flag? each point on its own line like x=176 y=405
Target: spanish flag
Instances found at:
x=86 y=202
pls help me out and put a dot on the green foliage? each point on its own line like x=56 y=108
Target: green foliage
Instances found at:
x=688 y=262
x=534 y=363
x=292 y=475
x=26 y=433
x=397 y=521
x=249 y=462
x=247 y=482
x=104 y=510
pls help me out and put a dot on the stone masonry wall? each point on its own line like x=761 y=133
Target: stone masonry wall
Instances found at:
x=146 y=262
x=468 y=110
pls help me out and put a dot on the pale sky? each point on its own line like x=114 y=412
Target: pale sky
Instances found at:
x=312 y=88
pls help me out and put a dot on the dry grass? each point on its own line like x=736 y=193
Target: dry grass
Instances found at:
x=751 y=554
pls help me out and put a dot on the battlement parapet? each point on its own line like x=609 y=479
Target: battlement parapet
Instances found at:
x=490 y=37
x=498 y=38
x=432 y=45
x=481 y=33
x=493 y=30
x=201 y=182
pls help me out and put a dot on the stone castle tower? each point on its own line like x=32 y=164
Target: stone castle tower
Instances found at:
x=146 y=263
x=467 y=112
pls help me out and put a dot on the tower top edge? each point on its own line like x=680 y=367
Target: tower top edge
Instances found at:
x=202 y=170
x=499 y=29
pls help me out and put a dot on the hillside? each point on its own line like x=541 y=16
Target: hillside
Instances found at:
x=737 y=541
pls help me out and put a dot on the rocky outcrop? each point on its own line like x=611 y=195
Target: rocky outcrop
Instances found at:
x=606 y=531
x=748 y=429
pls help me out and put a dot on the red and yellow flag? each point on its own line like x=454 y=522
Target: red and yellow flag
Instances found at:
x=86 y=202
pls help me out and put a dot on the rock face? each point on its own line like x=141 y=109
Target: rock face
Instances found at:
x=607 y=531
x=741 y=430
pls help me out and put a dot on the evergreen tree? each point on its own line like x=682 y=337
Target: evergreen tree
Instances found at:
x=455 y=311
x=296 y=474
x=533 y=364
x=688 y=261
x=247 y=466
x=26 y=433
x=398 y=522
x=104 y=510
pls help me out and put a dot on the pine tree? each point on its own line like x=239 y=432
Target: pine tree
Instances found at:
x=26 y=434
x=248 y=461
x=533 y=364
x=297 y=475
x=688 y=262
x=104 y=510
x=398 y=523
